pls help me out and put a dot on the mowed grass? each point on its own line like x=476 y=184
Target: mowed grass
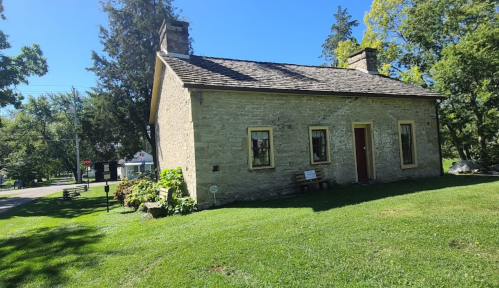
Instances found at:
x=439 y=232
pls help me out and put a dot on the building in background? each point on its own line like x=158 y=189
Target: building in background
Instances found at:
x=140 y=163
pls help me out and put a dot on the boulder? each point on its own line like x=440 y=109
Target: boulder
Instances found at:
x=495 y=167
x=155 y=209
x=464 y=166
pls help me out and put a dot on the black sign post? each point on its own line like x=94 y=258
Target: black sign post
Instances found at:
x=88 y=180
x=106 y=189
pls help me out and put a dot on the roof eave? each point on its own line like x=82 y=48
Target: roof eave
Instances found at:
x=155 y=89
x=307 y=92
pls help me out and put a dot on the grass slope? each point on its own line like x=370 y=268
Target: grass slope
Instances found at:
x=439 y=232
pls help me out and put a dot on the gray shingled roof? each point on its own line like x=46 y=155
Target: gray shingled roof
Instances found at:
x=229 y=74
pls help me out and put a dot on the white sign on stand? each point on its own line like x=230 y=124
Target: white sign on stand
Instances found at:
x=310 y=174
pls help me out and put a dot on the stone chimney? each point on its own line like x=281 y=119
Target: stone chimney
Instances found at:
x=174 y=38
x=365 y=60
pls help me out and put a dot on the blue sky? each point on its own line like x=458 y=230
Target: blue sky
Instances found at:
x=271 y=30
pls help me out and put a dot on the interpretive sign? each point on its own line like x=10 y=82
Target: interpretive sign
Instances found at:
x=310 y=174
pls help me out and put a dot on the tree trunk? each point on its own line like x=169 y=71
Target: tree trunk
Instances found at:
x=468 y=152
x=480 y=131
x=481 y=141
x=456 y=141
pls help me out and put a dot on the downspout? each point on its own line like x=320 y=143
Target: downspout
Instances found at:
x=439 y=138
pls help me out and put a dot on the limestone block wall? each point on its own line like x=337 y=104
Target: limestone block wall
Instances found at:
x=174 y=130
x=221 y=139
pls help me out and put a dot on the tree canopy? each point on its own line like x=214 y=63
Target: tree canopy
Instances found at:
x=340 y=31
x=125 y=71
x=450 y=46
x=15 y=70
x=38 y=141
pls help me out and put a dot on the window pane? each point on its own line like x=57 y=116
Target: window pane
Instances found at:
x=260 y=145
x=407 y=143
x=319 y=145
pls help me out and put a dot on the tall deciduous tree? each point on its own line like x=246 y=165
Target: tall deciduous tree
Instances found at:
x=448 y=46
x=340 y=31
x=468 y=71
x=42 y=134
x=125 y=70
x=16 y=70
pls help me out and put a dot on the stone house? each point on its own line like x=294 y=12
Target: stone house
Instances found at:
x=247 y=126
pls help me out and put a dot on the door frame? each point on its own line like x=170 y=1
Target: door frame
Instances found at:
x=369 y=136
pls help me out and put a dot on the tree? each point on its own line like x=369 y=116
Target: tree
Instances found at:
x=468 y=71
x=16 y=70
x=448 y=46
x=340 y=31
x=125 y=72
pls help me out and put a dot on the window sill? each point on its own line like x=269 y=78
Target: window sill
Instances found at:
x=262 y=167
x=319 y=163
x=409 y=166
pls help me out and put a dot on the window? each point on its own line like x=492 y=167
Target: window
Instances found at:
x=319 y=144
x=261 y=152
x=407 y=142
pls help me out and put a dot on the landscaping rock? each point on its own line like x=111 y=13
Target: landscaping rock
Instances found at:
x=464 y=166
x=155 y=209
x=495 y=167
x=493 y=172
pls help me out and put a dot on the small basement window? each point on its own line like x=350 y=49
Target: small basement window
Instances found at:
x=319 y=144
x=261 y=152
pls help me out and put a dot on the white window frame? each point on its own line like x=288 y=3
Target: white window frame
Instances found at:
x=328 y=145
x=271 y=147
x=414 y=149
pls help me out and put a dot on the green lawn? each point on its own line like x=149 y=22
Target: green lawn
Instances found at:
x=439 y=232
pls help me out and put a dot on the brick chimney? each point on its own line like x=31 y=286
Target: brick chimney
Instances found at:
x=174 y=38
x=365 y=60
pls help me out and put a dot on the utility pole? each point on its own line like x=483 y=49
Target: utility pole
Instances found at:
x=78 y=169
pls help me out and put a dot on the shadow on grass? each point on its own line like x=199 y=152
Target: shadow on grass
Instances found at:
x=46 y=257
x=56 y=207
x=340 y=196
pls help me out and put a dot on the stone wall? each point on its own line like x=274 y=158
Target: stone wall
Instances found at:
x=174 y=130
x=221 y=123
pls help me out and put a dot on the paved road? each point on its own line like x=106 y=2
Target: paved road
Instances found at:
x=21 y=196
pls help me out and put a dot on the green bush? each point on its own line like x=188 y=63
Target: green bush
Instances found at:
x=134 y=193
x=142 y=192
x=124 y=188
x=148 y=176
x=173 y=178
x=183 y=205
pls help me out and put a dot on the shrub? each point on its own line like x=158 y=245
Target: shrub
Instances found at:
x=173 y=178
x=144 y=191
x=124 y=188
x=183 y=205
x=148 y=176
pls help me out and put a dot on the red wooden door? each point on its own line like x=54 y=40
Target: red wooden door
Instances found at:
x=360 y=152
